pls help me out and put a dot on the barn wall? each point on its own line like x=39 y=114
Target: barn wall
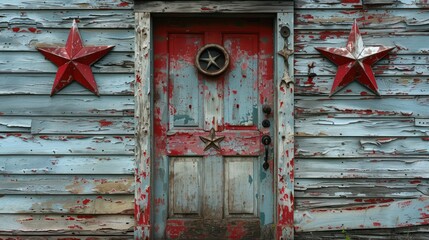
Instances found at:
x=362 y=161
x=66 y=162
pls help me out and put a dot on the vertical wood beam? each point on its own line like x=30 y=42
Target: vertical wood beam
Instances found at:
x=285 y=128
x=143 y=125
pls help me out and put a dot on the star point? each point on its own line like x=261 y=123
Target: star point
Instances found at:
x=354 y=61
x=212 y=141
x=74 y=61
x=211 y=60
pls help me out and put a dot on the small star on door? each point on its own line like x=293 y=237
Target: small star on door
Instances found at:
x=212 y=141
x=210 y=60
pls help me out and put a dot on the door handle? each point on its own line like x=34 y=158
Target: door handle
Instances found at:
x=266 y=140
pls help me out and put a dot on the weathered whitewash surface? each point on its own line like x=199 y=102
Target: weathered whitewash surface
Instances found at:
x=362 y=161
x=67 y=161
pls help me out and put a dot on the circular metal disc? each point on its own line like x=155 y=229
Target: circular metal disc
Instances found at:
x=212 y=59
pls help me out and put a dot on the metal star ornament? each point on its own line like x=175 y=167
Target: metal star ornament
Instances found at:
x=212 y=141
x=211 y=60
x=354 y=61
x=74 y=61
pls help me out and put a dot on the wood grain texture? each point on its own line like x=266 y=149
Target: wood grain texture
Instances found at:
x=31 y=164
x=22 y=39
x=326 y=126
x=73 y=4
x=362 y=168
x=41 y=84
x=75 y=204
x=144 y=118
x=361 y=188
x=385 y=215
x=360 y=4
x=412 y=85
x=355 y=147
x=65 y=236
x=63 y=184
x=65 y=145
x=400 y=106
x=63 y=105
x=68 y=224
x=215 y=6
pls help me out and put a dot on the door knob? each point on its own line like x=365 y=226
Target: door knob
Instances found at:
x=266 y=140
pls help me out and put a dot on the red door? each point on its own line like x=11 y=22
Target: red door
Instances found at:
x=209 y=175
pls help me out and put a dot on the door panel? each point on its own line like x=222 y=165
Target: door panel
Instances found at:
x=185 y=186
x=201 y=191
x=241 y=190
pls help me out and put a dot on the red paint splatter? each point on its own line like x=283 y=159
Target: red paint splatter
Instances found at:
x=33 y=30
x=236 y=231
x=138 y=79
x=350 y=1
x=15 y=29
x=85 y=216
x=105 y=123
x=363 y=93
x=175 y=228
x=75 y=227
x=376 y=224
x=206 y=9
x=123 y=4
x=68 y=218
x=86 y=201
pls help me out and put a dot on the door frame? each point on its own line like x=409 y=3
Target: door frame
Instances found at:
x=282 y=12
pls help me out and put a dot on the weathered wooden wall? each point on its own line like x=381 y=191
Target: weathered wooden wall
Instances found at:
x=362 y=161
x=67 y=161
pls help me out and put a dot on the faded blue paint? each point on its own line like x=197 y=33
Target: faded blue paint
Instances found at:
x=241 y=81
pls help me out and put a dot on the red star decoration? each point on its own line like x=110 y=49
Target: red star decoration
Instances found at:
x=74 y=61
x=355 y=61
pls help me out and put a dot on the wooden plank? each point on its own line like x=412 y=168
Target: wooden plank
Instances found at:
x=215 y=6
x=66 y=164
x=410 y=232
x=405 y=42
x=402 y=106
x=68 y=224
x=87 y=125
x=143 y=115
x=385 y=215
x=185 y=186
x=63 y=105
x=393 y=65
x=34 y=62
x=64 y=237
x=310 y=202
x=41 y=83
x=15 y=124
x=355 y=147
x=61 y=125
x=74 y=204
x=362 y=168
x=382 y=19
x=388 y=86
x=361 y=188
x=72 y=4
x=284 y=127
x=357 y=4
x=25 y=40
x=36 y=20
x=65 y=145
x=324 y=126
x=71 y=184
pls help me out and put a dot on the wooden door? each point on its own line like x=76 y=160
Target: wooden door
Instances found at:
x=209 y=180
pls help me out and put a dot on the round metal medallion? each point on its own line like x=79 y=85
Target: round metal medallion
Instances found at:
x=212 y=59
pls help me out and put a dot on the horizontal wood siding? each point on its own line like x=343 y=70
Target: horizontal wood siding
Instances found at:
x=361 y=168
x=67 y=161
